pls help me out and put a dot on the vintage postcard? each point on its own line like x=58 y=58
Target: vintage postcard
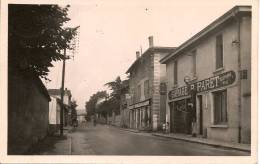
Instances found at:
x=129 y=81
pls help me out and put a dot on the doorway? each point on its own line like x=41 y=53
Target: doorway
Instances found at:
x=200 y=115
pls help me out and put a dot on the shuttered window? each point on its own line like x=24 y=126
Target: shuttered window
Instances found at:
x=146 y=89
x=219 y=51
x=220 y=107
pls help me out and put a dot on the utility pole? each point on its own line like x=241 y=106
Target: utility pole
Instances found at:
x=62 y=93
x=74 y=47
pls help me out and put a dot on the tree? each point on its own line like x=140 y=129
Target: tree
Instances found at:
x=37 y=36
x=73 y=110
x=91 y=104
x=116 y=87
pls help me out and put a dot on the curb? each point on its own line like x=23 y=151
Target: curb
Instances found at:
x=201 y=142
x=129 y=130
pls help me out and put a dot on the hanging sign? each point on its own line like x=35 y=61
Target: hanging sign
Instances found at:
x=215 y=82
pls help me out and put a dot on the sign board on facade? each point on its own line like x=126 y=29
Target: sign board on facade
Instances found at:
x=214 y=82
x=140 y=104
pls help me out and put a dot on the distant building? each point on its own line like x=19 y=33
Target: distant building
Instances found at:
x=55 y=109
x=81 y=115
x=146 y=77
x=216 y=65
x=54 y=112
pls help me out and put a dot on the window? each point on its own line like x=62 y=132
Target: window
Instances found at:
x=138 y=93
x=175 y=73
x=194 y=60
x=220 y=107
x=146 y=89
x=219 y=51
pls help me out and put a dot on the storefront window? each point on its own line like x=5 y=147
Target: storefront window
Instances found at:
x=220 y=107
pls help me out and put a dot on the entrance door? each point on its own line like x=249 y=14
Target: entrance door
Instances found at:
x=173 y=122
x=200 y=114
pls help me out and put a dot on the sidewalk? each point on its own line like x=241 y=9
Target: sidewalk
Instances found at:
x=189 y=138
x=53 y=145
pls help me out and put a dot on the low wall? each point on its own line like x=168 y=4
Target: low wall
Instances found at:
x=28 y=112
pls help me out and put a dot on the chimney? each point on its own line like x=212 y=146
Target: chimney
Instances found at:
x=137 y=54
x=150 y=38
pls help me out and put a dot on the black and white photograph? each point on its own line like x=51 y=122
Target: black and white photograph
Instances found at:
x=149 y=81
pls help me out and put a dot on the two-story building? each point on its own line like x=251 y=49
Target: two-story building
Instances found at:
x=146 y=75
x=209 y=80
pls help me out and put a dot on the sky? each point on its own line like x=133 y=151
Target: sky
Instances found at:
x=111 y=31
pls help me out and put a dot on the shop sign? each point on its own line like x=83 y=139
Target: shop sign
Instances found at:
x=140 y=104
x=179 y=92
x=215 y=82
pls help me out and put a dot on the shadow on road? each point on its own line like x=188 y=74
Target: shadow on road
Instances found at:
x=45 y=145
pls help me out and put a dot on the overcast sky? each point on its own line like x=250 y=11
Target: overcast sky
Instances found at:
x=112 y=31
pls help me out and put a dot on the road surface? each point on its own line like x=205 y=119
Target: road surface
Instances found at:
x=109 y=140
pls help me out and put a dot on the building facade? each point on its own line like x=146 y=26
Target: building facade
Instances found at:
x=54 y=114
x=146 y=75
x=55 y=106
x=209 y=80
x=81 y=115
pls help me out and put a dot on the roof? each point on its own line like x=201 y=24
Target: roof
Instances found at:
x=42 y=87
x=57 y=91
x=149 y=51
x=235 y=11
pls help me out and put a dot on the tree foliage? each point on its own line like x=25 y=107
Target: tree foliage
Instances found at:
x=37 y=36
x=91 y=104
x=73 y=110
x=116 y=87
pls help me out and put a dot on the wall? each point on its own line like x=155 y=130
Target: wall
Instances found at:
x=53 y=111
x=28 y=113
x=158 y=102
x=150 y=68
x=142 y=72
x=245 y=37
x=206 y=68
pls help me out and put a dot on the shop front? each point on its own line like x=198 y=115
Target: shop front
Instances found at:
x=181 y=116
x=204 y=100
x=140 y=117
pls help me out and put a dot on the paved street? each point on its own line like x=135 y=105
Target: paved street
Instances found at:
x=109 y=140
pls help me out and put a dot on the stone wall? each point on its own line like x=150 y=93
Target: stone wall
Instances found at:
x=28 y=112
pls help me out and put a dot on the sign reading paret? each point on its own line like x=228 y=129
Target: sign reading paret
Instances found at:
x=221 y=80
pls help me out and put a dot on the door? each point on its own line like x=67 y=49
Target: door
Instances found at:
x=171 y=117
x=200 y=115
